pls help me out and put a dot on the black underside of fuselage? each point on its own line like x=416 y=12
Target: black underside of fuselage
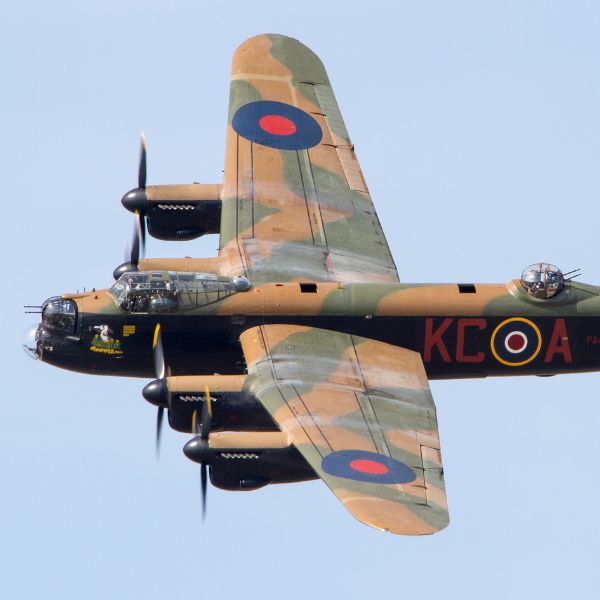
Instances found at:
x=451 y=347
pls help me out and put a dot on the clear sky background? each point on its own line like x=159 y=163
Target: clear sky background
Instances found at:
x=477 y=127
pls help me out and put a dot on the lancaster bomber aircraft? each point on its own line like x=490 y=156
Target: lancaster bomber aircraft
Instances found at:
x=296 y=353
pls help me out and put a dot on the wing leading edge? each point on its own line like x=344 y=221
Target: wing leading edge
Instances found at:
x=361 y=414
x=294 y=203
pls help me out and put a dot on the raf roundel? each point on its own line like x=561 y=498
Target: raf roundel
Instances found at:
x=277 y=125
x=369 y=467
x=516 y=342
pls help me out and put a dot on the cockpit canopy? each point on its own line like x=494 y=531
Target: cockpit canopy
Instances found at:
x=542 y=280
x=169 y=291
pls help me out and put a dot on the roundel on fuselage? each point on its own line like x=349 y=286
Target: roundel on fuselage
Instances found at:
x=516 y=341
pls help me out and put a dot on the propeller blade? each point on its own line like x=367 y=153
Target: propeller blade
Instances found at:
x=208 y=400
x=206 y=416
x=159 y=355
x=134 y=257
x=139 y=238
x=161 y=371
x=198 y=450
x=204 y=432
x=141 y=227
x=203 y=486
x=159 y=422
x=142 y=169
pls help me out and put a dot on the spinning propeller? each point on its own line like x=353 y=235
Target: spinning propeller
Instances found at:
x=161 y=372
x=136 y=202
x=197 y=449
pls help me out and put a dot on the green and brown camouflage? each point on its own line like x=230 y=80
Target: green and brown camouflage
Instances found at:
x=290 y=215
x=334 y=392
x=315 y=356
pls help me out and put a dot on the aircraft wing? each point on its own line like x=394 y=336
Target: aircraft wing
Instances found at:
x=361 y=414
x=295 y=205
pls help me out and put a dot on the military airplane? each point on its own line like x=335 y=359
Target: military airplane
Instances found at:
x=296 y=353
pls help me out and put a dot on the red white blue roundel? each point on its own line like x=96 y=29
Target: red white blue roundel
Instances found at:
x=367 y=466
x=516 y=342
x=277 y=125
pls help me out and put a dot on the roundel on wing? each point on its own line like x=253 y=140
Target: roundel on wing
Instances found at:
x=277 y=125
x=516 y=342
x=365 y=466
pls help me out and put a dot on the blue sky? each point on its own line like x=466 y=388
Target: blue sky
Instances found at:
x=477 y=126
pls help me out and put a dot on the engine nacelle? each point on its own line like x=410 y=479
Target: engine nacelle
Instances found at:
x=233 y=407
x=177 y=212
x=248 y=460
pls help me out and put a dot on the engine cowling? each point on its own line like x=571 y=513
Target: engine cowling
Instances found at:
x=177 y=212
x=248 y=460
x=233 y=407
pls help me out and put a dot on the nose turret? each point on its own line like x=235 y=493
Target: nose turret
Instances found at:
x=59 y=314
x=59 y=320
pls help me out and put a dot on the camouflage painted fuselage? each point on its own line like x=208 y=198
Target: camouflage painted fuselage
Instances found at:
x=459 y=330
